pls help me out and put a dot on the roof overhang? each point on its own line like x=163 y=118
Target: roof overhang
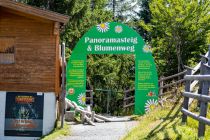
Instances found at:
x=24 y=8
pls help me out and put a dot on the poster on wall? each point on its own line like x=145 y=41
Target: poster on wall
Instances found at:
x=24 y=114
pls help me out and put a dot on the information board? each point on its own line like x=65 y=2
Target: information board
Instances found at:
x=114 y=38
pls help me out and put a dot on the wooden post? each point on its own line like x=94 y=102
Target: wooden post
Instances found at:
x=91 y=99
x=161 y=90
x=93 y=116
x=209 y=55
x=124 y=102
x=161 y=85
x=83 y=117
x=203 y=105
x=63 y=94
x=203 y=60
x=108 y=100
x=203 y=109
x=186 y=99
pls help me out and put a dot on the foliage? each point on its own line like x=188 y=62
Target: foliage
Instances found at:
x=178 y=29
x=123 y=10
x=115 y=72
x=110 y=72
x=165 y=123
x=83 y=15
x=143 y=15
x=57 y=132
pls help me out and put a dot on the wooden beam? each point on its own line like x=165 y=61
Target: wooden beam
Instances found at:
x=57 y=65
x=197 y=77
x=128 y=98
x=185 y=104
x=196 y=117
x=63 y=93
x=128 y=105
x=172 y=76
x=56 y=30
x=200 y=97
x=171 y=84
x=203 y=110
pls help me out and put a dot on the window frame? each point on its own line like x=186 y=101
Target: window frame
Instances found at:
x=13 y=52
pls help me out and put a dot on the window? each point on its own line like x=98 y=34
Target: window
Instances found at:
x=7 y=50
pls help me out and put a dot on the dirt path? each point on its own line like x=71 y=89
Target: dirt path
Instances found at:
x=102 y=131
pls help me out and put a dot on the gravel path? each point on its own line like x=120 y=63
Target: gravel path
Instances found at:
x=102 y=131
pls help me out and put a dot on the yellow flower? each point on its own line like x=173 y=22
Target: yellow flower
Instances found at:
x=118 y=29
x=82 y=98
x=150 y=105
x=147 y=48
x=103 y=27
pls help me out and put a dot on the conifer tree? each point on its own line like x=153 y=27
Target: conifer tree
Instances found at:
x=123 y=10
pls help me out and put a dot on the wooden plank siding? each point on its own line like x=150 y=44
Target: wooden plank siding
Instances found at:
x=57 y=59
x=37 y=66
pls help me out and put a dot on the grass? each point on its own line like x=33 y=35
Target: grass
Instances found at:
x=165 y=124
x=57 y=132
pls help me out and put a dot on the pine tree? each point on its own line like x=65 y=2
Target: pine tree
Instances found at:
x=144 y=15
x=123 y=10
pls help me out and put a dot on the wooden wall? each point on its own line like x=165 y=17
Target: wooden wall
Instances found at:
x=36 y=67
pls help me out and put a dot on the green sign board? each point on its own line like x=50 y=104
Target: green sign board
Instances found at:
x=114 y=38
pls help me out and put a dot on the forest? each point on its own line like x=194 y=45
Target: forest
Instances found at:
x=177 y=30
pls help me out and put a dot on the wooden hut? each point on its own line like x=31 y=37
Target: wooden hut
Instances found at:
x=29 y=48
x=29 y=53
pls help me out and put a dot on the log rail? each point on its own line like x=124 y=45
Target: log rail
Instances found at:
x=202 y=97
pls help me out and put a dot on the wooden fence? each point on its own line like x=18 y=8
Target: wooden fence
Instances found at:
x=129 y=98
x=164 y=85
x=129 y=101
x=177 y=80
x=202 y=96
x=167 y=84
x=89 y=97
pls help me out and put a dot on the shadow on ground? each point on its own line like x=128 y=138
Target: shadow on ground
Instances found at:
x=168 y=120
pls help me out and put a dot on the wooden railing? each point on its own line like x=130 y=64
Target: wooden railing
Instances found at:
x=129 y=98
x=163 y=80
x=177 y=80
x=89 y=97
x=203 y=99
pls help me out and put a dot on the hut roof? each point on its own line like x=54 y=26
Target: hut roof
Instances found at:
x=41 y=13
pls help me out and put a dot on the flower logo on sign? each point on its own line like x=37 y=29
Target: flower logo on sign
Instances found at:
x=103 y=27
x=82 y=98
x=150 y=105
x=147 y=48
x=118 y=29
x=71 y=91
x=151 y=94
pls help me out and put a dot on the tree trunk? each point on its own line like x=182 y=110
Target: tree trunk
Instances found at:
x=113 y=8
x=179 y=59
